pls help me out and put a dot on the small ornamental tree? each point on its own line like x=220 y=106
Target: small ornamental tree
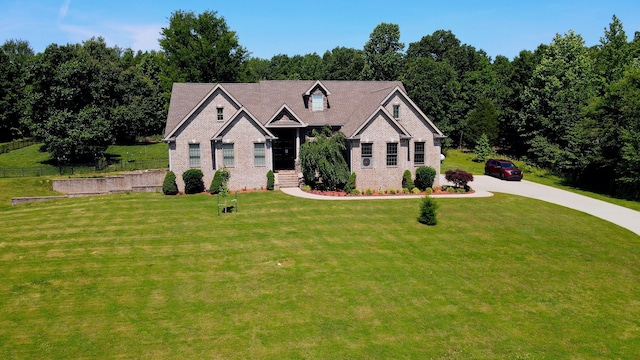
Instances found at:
x=219 y=182
x=270 y=180
x=424 y=177
x=322 y=160
x=350 y=186
x=428 y=211
x=459 y=178
x=169 y=186
x=193 y=181
x=483 y=149
x=407 y=180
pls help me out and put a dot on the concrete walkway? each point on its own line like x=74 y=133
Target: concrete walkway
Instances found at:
x=484 y=186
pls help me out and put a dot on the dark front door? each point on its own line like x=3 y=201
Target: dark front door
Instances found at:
x=284 y=152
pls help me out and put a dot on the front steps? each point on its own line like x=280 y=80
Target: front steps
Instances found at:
x=286 y=179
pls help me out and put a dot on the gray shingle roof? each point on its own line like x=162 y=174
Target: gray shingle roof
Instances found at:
x=350 y=102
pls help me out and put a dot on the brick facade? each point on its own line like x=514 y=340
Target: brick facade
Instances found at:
x=253 y=113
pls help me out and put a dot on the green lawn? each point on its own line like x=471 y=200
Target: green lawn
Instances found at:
x=30 y=161
x=149 y=276
x=458 y=159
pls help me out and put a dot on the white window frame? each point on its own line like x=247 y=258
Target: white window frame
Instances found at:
x=194 y=155
x=317 y=102
x=228 y=155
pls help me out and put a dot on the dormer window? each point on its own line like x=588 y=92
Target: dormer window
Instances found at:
x=317 y=102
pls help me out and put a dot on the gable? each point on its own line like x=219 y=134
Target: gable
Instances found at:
x=381 y=125
x=183 y=109
x=285 y=117
x=242 y=119
x=399 y=97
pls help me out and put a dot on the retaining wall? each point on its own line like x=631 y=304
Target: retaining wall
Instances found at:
x=139 y=181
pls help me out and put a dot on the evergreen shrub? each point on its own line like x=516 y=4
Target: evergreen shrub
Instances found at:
x=424 y=177
x=193 y=181
x=428 y=211
x=270 y=180
x=350 y=186
x=407 y=181
x=169 y=186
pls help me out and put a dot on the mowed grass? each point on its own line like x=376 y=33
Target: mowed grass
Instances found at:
x=149 y=276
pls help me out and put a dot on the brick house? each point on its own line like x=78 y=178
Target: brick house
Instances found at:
x=251 y=128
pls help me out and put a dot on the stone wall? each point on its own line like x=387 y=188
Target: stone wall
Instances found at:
x=139 y=181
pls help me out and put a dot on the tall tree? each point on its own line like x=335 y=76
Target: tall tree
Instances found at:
x=14 y=58
x=557 y=93
x=343 y=63
x=482 y=120
x=435 y=89
x=201 y=48
x=614 y=52
x=383 y=53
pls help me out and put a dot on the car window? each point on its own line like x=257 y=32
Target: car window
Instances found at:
x=508 y=165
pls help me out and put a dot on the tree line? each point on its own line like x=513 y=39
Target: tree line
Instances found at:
x=563 y=106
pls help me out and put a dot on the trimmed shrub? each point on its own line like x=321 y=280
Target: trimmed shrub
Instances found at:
x=193 y=181
x=405 y=190
x=424 y=177
x=458 y=177
x=350 y=186
x=271 y=179
x=428 y=211
x=407 y=181
x=415 y=191
x=219 y=182
x=169 y=186
x=429 y=191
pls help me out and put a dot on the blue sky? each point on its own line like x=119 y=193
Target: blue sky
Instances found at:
x=268 y=28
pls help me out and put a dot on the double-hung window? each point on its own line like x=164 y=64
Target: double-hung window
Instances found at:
x=396 y=111
x=259 y=154
x=317 y=102
x=418 y=153
x=392 y=154
x=228 y=158
x=220 y=113
x=194 y=155
x=367 y=154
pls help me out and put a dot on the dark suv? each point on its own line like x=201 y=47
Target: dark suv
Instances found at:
x=504 y=169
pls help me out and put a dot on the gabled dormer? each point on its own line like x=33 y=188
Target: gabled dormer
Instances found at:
x=316 y=98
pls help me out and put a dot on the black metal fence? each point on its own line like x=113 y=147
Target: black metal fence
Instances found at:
x=84 y=169
x=15 y=145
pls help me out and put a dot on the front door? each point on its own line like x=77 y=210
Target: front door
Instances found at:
x=284 y=149
x=284 y=153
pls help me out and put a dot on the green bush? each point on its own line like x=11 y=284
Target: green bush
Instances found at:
x=270 y=180
x=428 y=211
x=351 y=184
x=483 y=149
x=368 y=192
x=415 y=191
x=393 y=191
x=407 y=181
x=219 y=182
x=193 y=181
x=4 y=148
x=429 y=191
x=424 y=177
x=405 y=190
x=458 y=177
x=169 y=186
x=214 y=188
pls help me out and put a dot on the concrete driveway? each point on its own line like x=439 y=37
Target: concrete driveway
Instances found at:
x=487 y=185
x=627 y=218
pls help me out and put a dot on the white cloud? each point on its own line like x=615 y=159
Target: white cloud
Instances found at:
x=143 y=37
x=64 y=9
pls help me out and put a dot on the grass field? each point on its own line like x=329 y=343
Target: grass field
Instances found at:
x=149 y=276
